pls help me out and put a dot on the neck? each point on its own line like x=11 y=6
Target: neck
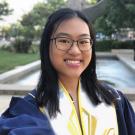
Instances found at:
x=71 y=85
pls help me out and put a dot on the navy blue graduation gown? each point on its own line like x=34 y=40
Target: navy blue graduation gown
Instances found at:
x=23 y=117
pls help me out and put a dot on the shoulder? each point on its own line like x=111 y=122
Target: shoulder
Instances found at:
x=24 y=117
x=119 y=97
x=20 y=105
x=125 y=114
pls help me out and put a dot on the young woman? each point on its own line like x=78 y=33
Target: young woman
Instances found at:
x=69 y=99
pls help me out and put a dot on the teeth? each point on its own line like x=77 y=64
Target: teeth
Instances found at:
x=73 y=61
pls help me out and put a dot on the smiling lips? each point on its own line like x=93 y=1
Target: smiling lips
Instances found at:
x=73 y=63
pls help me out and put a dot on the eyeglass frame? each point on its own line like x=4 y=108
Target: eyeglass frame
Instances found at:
x=91 y=43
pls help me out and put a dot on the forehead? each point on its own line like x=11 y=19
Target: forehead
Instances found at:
x=73 y=26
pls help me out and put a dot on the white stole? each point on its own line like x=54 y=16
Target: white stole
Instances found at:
x=96 y=120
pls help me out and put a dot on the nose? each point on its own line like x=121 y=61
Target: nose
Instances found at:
x=74 y=49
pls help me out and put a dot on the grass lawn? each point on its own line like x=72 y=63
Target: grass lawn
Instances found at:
x=9 y=60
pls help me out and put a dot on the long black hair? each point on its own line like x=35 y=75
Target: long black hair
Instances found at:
x=48 y=87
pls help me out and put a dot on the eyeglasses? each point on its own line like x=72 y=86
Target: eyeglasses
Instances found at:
x=64 y=44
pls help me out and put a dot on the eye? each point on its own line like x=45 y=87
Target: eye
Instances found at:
x=63 y=40
x=84 y=41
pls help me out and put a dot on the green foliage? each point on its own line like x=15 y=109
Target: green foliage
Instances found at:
x=4 y=9
x=34 y=48
x=31 y=25
x=22 y=38
x=104 y=26
x=107 y=45
x=22 y=45
x=53 y=5
x=131 y=8
x=119 y=14
x=34 y=21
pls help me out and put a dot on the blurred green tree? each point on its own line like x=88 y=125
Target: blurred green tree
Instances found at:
x=34 y=21
x=119 y=14
x=4 y=9
x=29 y=28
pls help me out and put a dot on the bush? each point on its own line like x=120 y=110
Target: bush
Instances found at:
x=107 y=45
x=22 y=45
x=34 y=48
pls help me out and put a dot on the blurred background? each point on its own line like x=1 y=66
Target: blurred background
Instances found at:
x=21 y=25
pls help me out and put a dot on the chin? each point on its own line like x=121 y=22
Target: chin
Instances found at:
x=75 y=75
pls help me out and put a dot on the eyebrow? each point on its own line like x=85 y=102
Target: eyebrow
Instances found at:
x=68 y=35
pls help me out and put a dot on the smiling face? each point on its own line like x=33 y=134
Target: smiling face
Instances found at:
x=71 y=63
